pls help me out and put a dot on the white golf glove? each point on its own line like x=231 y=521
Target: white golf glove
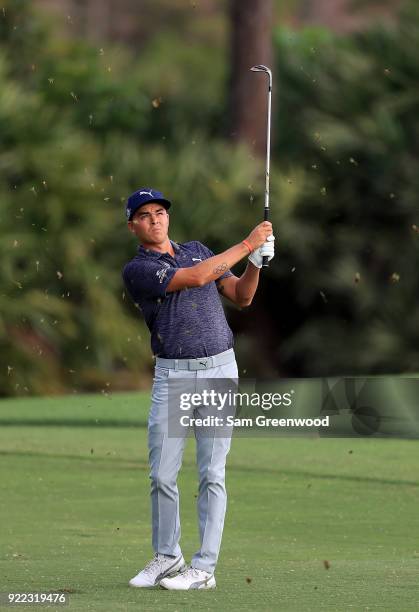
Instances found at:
x=266 y=250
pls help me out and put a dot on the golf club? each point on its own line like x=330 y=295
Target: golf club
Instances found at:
x=266 y=70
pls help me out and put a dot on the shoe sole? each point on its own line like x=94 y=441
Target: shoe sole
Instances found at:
x=200 y=588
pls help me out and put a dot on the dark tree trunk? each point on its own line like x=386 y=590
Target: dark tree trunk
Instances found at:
x=251 y=43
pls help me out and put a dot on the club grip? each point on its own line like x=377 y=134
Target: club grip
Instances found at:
x=265 y=261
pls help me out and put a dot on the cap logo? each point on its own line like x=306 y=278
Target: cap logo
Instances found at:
x=146 y=193
x=128 y=212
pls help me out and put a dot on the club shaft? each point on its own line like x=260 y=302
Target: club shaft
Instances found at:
x=265 y=262
x=268 y=147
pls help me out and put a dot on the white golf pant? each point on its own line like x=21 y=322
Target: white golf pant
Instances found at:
x=165 y=457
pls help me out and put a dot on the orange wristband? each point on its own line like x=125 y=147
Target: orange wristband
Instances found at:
x=248 y=245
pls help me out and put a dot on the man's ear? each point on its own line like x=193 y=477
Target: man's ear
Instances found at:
x=131 y=227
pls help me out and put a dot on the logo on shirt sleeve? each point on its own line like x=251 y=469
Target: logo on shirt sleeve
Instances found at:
x=162 y=273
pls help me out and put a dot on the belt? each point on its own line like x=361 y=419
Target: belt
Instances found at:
x=200 y=363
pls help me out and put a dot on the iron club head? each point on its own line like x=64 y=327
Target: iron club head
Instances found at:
x=261 y=68
x=266 y=70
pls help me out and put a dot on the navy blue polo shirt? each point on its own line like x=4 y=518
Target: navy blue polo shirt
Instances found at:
x=188 y=323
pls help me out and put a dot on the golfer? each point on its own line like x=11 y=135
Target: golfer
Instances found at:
x=177 y=287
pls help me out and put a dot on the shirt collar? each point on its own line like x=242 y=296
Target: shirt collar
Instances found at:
x=157 y=254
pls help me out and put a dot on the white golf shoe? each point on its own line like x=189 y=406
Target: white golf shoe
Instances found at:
x=160 y=567
x=192 y=578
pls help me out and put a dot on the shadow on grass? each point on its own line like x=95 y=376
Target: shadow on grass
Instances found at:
x=70 y=423
x=132 y=464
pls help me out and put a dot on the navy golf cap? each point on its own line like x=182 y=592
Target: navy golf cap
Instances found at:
x=144 y=195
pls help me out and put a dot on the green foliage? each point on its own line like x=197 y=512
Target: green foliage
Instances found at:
x=81 y=127
x=351 y=235
x=76 y=141
x=61 y=306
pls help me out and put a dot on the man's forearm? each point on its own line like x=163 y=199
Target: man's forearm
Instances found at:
x=214 y=267
x=247 y=284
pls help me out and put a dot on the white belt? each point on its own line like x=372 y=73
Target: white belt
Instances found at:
x=200 y=363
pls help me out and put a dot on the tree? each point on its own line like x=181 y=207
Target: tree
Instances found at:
x=76 y=139
x=251 y=43
x=347 y=140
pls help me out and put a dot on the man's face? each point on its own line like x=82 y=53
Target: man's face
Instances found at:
x=150 y=223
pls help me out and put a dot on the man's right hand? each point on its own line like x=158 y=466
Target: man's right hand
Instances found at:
x=258 y=236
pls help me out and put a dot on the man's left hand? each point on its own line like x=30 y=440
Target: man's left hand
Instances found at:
x=266 y=250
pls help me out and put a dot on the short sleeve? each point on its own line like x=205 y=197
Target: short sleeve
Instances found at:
x=208 y=253
x=147 y=278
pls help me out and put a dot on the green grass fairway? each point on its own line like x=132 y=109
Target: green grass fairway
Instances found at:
x=75 y=514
